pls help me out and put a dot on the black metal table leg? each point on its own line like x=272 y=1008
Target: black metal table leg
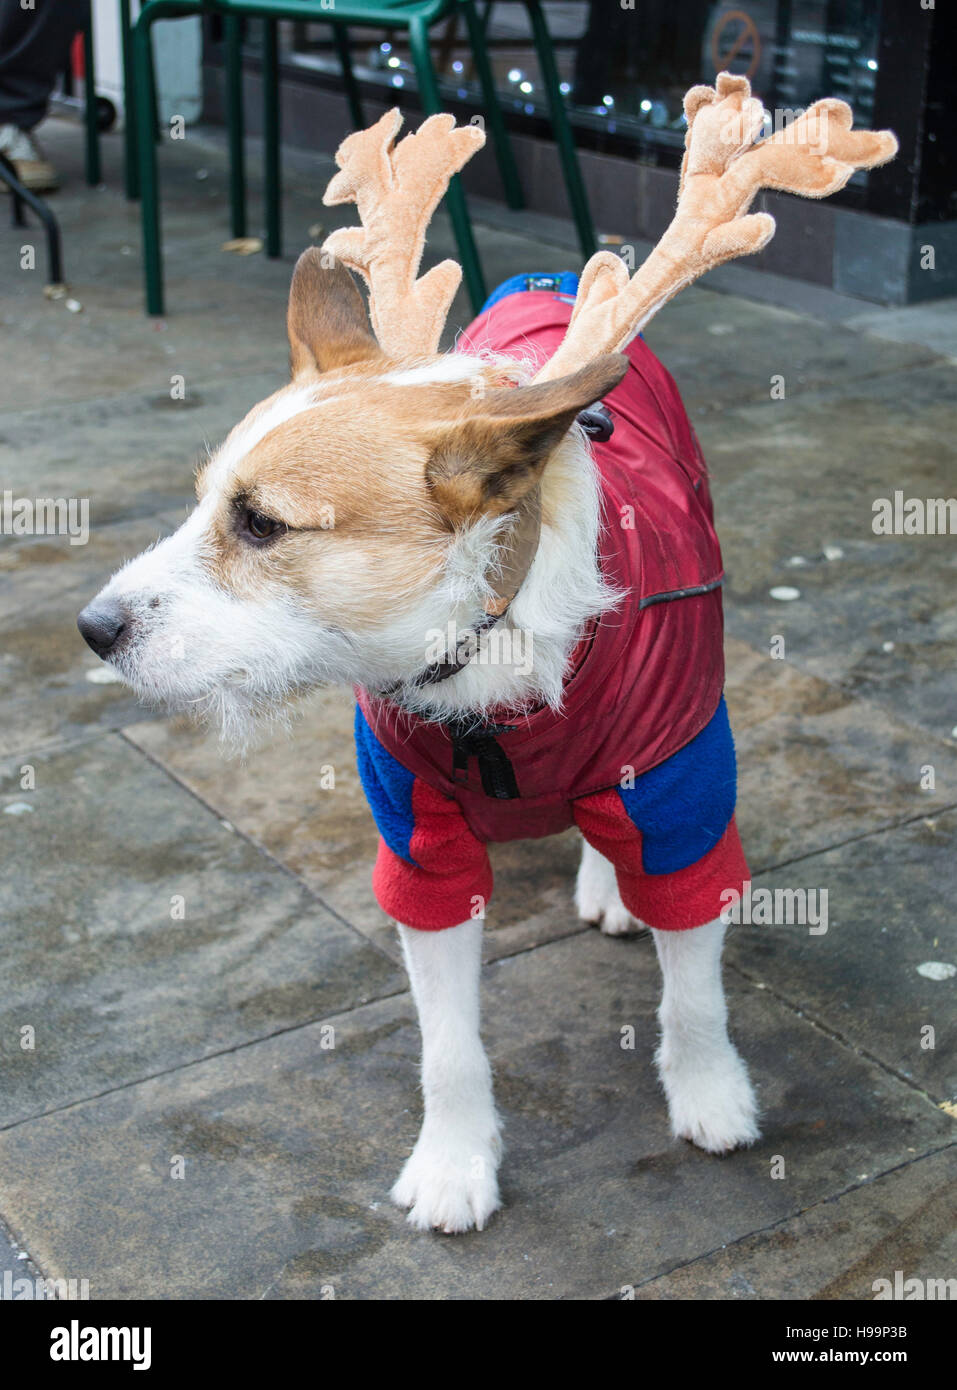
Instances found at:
x=23 y=195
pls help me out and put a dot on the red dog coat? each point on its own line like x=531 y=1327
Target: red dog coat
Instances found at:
x=640 y=757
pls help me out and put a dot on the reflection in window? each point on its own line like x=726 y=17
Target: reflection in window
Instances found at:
x=624 y=71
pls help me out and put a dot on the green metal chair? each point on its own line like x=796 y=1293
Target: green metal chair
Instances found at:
x=561 y=126
x=414 y=17
x=91 y=109
x=92 y=104
x=91 y=114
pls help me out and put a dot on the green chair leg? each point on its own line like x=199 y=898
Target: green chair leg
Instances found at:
x=91 y=114
x=146 y=159
x=272 y=185
x=152 y=97
x=356 y=112
x=234 y=123
x=130 y=170
x=458 y=211
x=564 y=139
x=493 y=111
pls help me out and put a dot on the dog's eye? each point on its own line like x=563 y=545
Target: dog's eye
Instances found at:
x=262 y=527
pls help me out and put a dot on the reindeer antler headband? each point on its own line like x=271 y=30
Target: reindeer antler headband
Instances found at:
x=398 y=186
x=396 y=189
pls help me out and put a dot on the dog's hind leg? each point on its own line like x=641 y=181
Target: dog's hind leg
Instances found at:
x=710 y=1099
x=597 y=898
x=449 y=1182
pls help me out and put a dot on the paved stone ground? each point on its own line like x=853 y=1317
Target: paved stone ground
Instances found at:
x=204 y=1038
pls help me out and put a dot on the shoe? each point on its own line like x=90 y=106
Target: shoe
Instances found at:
x=33 y=169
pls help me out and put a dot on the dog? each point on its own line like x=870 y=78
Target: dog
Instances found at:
x=508 y=550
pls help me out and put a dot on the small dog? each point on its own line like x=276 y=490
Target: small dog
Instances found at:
x=523 y=586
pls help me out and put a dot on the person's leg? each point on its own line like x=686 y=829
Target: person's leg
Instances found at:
x=34 y=51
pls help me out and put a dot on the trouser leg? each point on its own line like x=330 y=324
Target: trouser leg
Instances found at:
x=34 y=50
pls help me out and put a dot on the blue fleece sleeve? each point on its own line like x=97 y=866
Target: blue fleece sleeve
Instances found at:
x=683 y=807
x=388 y=788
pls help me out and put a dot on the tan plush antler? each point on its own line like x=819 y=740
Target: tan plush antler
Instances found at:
x=396 y=189
x=722 y=170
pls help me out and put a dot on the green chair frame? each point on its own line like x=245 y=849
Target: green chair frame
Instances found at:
x=91 y=112
x=91 y=115
x=414 y=17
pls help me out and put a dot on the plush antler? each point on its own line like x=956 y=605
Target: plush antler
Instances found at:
x=722 y=170
x=396 y=189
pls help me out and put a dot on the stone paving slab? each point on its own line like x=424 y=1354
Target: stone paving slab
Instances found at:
x=139 y=932
x=724 y=350
x=815 y=466
x=111 y=348
x=10 y=1256
x=905 y=1220
x=326 y=835
x=934 y=324
x=131 y=455
x=817 y=766
x=889 y=914
x=290 y=1147
x=51 y=684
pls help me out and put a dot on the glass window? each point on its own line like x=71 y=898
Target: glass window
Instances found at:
x=624 y=70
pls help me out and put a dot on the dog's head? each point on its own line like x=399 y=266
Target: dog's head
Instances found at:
x=377 y=499
x=349 y=516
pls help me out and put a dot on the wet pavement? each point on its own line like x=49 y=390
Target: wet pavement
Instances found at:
x=208 y=1051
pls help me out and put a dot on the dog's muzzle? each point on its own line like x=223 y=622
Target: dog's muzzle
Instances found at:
x=103 y=624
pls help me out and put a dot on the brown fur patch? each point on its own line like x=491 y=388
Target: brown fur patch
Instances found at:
x=327 y=320
x=489 y=461
x=349 y=480
x=370 y=476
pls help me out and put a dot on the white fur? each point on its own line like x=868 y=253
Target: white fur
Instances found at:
x=597 y=897
x=201 y=649
x=286 y=406
x=452 y=366
x=449 y=1183
x=562 y=590
x=710 y=1099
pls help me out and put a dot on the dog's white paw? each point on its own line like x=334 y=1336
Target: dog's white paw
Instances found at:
x=597 y=899
x=449 y=1182
x=710 y=1100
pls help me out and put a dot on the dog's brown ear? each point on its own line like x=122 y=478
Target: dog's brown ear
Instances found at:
x=327 y=320
x=490 y=460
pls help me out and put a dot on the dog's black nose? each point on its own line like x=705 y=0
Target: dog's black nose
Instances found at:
x=102 y=624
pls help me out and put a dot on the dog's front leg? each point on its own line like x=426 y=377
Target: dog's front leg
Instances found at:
x=710 y=1099
x=450 y=1182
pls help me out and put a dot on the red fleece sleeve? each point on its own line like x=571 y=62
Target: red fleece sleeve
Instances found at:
x=677 y=901
x=450 y=878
